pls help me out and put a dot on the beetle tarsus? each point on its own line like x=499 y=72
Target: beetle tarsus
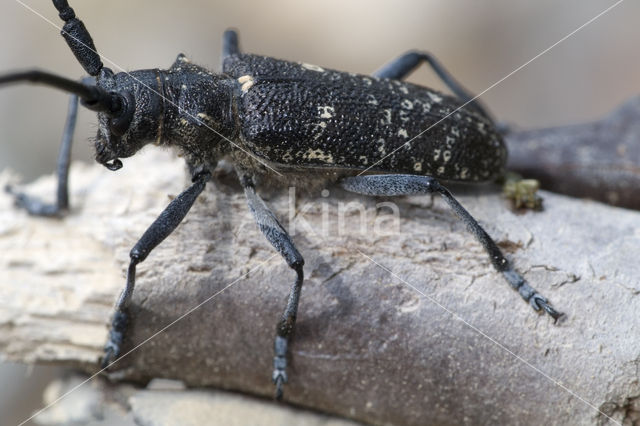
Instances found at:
x=279 y=375
x=279 y=381
x=528 y=293
x=109 y=356
x=538 y=302
x=33 y=205
x=116 y=337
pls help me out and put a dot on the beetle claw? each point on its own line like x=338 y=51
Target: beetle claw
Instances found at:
x=537 y=301
x=279 y=378
x=110 y=354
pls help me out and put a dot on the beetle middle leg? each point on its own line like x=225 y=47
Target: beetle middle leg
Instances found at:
x=160 y=229
x=391 y=185
x=281 y=241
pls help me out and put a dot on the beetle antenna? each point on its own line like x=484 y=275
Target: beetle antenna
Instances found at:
x=93 y=97
x=78 y=38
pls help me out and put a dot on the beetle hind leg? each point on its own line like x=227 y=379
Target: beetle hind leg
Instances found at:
x=391 y=185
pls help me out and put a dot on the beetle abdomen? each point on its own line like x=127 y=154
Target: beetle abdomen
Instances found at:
x=303 y=115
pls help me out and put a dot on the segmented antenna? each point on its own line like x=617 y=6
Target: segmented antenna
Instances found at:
x=78 y=39
x=93 y=97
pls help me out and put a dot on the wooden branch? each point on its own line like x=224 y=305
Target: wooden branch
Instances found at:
x=599 y=160
x=367 y=346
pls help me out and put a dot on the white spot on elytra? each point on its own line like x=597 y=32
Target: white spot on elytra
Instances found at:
x=246 y=81
x=417 y=166
x=403 y=133
x=184 y=87
x=363 y=159
x=326 y=111
x=318 y=154
x=387 y=117
x=404 y=90
x=436 y=154
x=311 y=67
x=318 y=129
x=435 y=97
x=204 y=116
x=406 y=104
x=446 y=156
x=372 y=99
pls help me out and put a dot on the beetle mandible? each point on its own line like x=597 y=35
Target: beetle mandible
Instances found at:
x=279 y=121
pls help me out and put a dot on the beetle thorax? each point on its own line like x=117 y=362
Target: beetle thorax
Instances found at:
x=198 y=115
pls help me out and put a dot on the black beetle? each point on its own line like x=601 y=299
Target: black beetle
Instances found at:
x=280 y=123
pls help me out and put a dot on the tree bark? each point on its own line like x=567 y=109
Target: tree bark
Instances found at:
x=411 y=326
x=599 y=160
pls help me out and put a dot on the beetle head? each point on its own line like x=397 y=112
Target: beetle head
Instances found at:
x=138 y=119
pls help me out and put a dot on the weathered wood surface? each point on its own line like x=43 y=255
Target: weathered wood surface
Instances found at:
x=367 y=346
x=599 y=160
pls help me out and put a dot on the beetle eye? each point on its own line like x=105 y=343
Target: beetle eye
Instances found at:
x=121 y=120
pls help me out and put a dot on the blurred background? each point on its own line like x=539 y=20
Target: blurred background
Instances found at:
x=581 y=79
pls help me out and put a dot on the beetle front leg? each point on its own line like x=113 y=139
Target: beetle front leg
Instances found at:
x=390 y=185
x=160 y=229
x=281 y=241
x=35 y=206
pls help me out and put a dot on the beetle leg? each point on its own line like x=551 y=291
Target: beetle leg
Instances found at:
x=160 y=229
x=35 y=206
x=281 y=241
x=230 y=44
x=402 y=66
x=391 y=185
